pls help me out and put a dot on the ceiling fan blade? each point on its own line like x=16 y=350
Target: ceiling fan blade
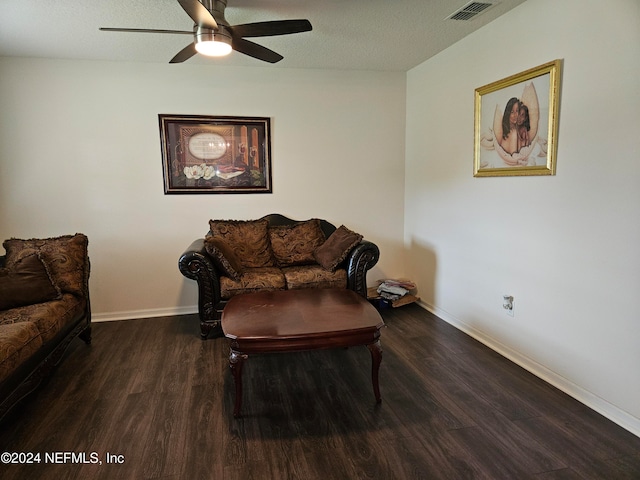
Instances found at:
x=185 y=54
x=198 y=13
x=254 y=50
x=266 y=29
x=145 y=30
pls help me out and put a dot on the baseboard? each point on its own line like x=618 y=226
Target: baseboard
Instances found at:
x=613 y=413
x=136 y=314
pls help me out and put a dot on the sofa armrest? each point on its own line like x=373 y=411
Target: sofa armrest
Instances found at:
x=196 y=264
x=360 y=260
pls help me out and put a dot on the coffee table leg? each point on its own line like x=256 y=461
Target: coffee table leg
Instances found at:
x=376 y=358
x=236 y=361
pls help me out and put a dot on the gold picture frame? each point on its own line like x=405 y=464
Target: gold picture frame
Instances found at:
x=527 y=104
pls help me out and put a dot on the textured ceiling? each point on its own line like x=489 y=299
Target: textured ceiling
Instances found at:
x=347 y=34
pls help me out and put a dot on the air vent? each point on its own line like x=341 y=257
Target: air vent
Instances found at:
x=469 y=11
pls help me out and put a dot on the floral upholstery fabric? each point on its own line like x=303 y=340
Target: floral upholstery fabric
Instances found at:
x=295 y=244
x=253 y=280
x=25 y=329
x=64 y=257
x=249 y=240
x=314 y=276
x=18 y=342
x=49 y=317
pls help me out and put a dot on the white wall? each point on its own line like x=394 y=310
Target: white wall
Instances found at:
x=80 y=152
x=567 y=247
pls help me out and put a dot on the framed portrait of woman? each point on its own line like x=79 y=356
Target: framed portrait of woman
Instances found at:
x=516 y=124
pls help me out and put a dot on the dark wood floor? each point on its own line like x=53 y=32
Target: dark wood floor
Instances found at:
x=153 y=392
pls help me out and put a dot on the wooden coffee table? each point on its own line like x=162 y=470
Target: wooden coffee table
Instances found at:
x=298 y=320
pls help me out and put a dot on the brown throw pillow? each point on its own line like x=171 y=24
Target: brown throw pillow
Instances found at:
x=294 y=244
x=26 y=282
x=332 y=252
x=65 y=257
x=224 y=257
x=250 y=240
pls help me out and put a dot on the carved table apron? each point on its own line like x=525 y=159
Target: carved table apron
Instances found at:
x=298 y=320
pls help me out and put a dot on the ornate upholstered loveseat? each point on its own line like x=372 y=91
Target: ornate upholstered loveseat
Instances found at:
x=44 y=304
x=273 y=253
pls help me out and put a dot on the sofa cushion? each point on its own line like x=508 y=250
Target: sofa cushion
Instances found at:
x=253 y=280
x=224 y=257
x=64 y=256
x=314 y=276
x=294 y=244
x=249 y=240
x=332 y=252
x=25 y=282
x=18 y=342
x=50 y=318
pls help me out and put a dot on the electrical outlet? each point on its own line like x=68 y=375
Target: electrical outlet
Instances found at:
x=510 y=311
x=508 y=304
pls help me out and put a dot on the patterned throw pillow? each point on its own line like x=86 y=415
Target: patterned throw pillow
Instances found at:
x=224 y=257
x=65 y=257
x=332 y=252
x=249 y=240
x=294 y=244
x=26 y=282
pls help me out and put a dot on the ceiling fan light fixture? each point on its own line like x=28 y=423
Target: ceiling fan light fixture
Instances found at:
x=211 y=43
x=213 y=48
x=213 y=36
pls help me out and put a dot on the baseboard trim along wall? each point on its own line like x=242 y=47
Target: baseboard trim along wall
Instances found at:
x=613 y=413
x=138 y=314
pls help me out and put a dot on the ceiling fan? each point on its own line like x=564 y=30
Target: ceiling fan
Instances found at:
x=213 y=36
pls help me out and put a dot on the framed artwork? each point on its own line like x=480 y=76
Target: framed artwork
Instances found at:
x=204 y=154
x=516 y=124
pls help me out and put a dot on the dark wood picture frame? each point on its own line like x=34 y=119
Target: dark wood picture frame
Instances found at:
x=215 y=154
